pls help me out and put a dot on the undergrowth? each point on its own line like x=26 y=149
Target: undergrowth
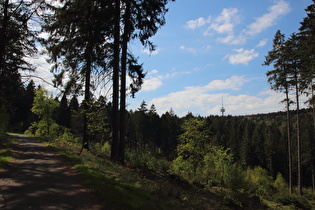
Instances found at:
x=6 y=142
x=125 y=187
x=145 y=183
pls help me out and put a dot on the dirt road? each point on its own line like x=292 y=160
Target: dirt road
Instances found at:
x=38 y=178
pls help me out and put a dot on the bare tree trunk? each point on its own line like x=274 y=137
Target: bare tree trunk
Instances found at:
x=289 y=141
x=115 y=118
x=3 y=35
x=298 y=135
x=86 y=102
x=313 y=177
x=126 y=36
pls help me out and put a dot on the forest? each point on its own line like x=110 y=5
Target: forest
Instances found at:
x=269 y=155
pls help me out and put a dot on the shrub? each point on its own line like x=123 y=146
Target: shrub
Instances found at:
x=106 y=149
x=147 y=159
x=67 y=136
x=297 y=202
x=280 y=184
x=32 y=129
x=56 y=130
x=183 y=168
x=259 y=182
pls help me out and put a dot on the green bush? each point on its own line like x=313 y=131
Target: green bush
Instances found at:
x=259 y=182
x=67 y=136
x=145 y=159
x=106 y=149
x=183 y=168
x=280 y=184
x=296 y=202
x=31 y=131
x=56 y=130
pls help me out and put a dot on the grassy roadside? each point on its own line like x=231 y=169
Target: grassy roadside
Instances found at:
x=6 y=153
x=121 y=187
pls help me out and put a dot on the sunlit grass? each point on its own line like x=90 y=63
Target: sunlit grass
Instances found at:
x=6 y=142
x=121 y=187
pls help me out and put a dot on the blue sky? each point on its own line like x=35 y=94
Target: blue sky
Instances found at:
x=211 y=49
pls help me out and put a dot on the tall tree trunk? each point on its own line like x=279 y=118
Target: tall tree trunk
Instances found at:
x=289 y=140
x=312 y=161
x=3 y=35
x=115 y=118
x=298 y=134
x=125 y=41
x=313 y=177
x=86 y=102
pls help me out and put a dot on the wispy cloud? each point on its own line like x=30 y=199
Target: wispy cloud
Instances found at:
x=148 y=52
x=194 y=50
x=154 y=81
x=242 y=56
x=197 y=96
x=262 y=43
x=152 y=84
x=280 y=8
x=188 y=49
x=225 y=23
x=205 y=100
x=193 y=24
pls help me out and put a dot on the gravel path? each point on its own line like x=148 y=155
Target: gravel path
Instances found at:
x=38 y=178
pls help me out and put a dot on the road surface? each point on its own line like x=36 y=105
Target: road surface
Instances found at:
x=38 y=178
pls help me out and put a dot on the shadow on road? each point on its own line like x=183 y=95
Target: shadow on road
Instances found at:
x=38 y=178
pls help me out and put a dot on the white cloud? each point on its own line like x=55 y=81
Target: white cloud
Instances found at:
x=154 y=71
x=148 y=52
x=231 y=39
x=225 y=22
x=280 y=8
x=197 y=96
x=199 y=100
x=196 y=51
x=155 y=82
x=42 y=75
x=193 y=24
x=152 y=84
x=262 y=43
x=242 y=56
x=188 y=49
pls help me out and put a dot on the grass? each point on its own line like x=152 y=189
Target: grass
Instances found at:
x=123 y=187
x=6 y=142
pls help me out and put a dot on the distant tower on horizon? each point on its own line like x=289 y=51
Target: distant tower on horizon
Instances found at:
x=222 y=108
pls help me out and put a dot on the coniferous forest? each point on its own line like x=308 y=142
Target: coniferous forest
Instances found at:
x=271 y=156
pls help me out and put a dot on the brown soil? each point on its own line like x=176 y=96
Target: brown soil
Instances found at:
x=38 y=178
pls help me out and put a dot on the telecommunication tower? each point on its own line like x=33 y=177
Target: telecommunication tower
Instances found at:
x=222 y=108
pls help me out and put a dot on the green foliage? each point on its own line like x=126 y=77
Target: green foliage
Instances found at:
x=280 y=184
x=43 y=107
x=6 y=150
x=259 y=182
x=199 y=162
x=148 y=160
x=67 y=136
x=106 y=148
x=294 y=201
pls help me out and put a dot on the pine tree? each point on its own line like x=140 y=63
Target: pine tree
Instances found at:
x=17 y=41
x=278 y=81
x=79 y=44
